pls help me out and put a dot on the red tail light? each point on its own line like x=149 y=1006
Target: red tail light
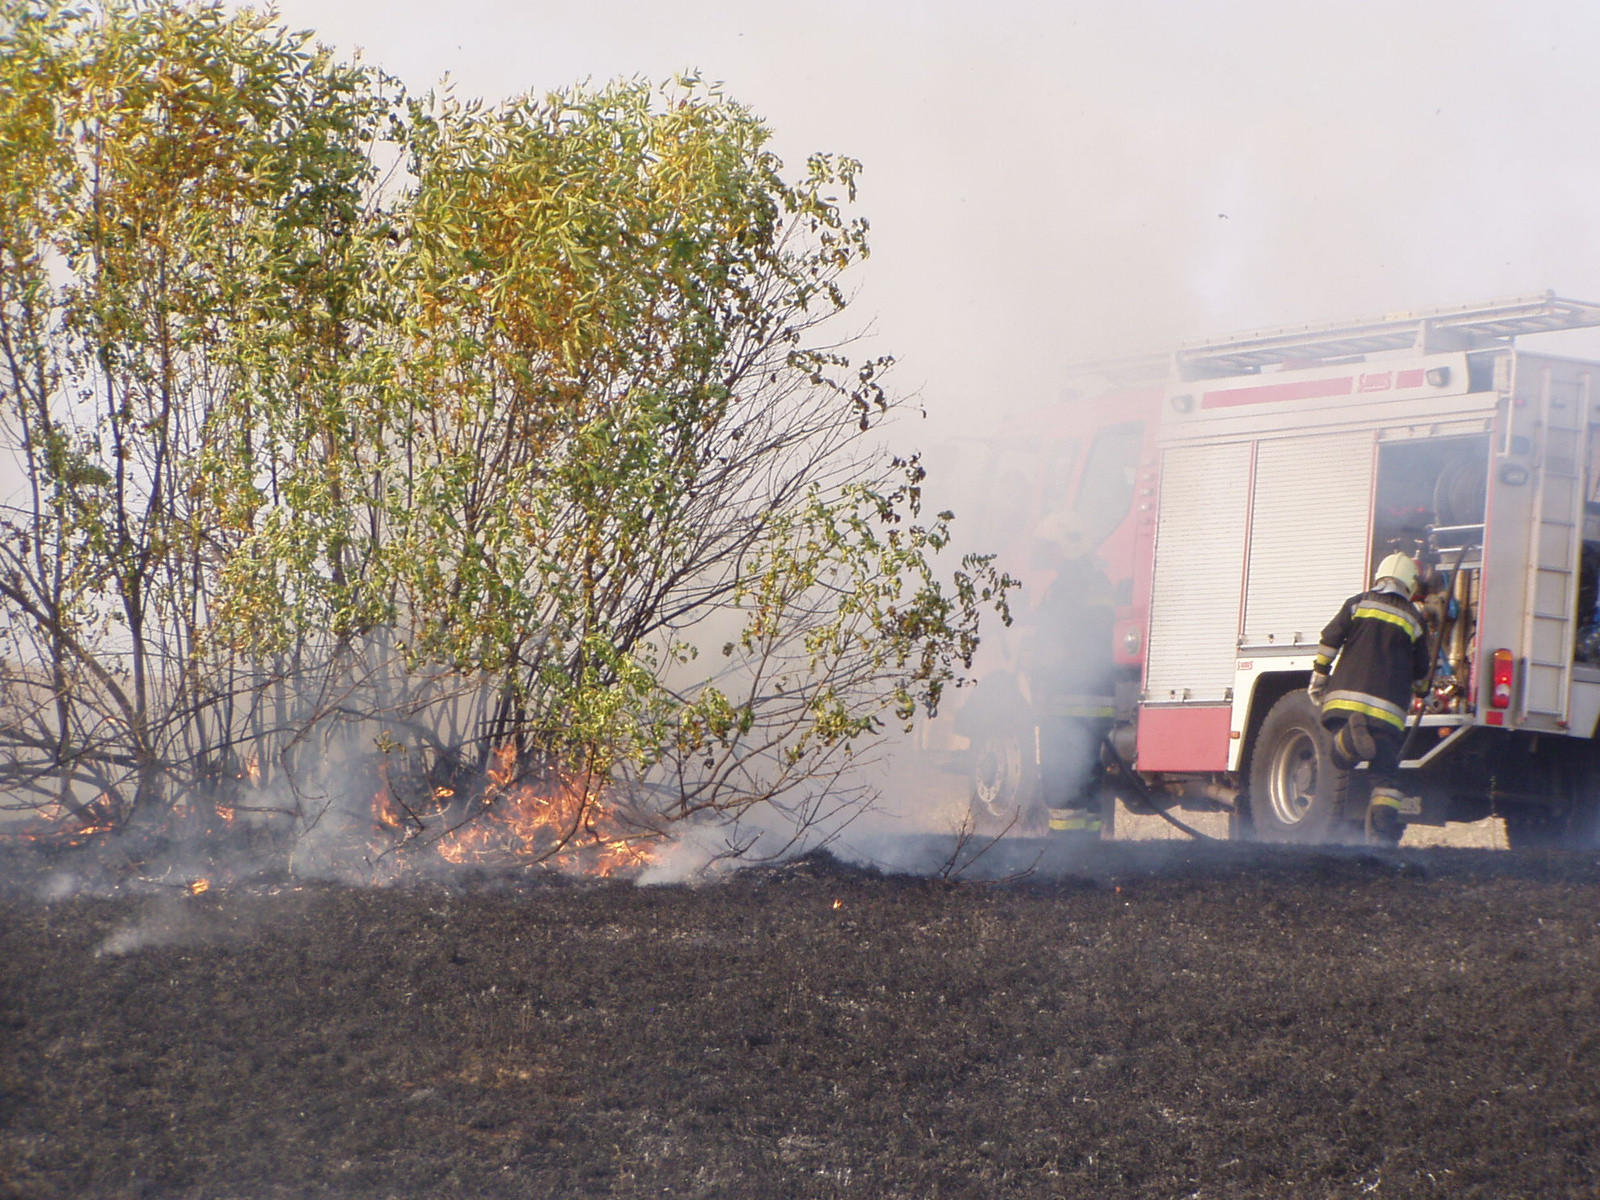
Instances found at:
x=1500 y=676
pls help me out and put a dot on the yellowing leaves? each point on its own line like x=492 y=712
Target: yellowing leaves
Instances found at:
x=545 y=409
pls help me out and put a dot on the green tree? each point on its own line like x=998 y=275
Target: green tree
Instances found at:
x=537 y=440
x=185 y=237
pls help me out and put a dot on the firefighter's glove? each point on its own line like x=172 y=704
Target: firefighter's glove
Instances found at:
x=1317 y=688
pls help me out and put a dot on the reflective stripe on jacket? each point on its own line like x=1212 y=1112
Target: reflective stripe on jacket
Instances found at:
x=1382 y=650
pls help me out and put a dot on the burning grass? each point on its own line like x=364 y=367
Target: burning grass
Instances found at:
x=509 y=819
x=551 y=817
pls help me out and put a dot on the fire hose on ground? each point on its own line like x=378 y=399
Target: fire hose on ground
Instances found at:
x=1145 y=794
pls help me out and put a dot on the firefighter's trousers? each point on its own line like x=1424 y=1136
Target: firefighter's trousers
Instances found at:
x=1070 y=770
x=1377 y=743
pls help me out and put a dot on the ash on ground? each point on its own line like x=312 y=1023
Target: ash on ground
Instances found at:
x=1138 y=1021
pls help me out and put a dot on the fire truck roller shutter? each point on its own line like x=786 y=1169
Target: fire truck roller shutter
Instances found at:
x=1199 y=562
x=1308 y=534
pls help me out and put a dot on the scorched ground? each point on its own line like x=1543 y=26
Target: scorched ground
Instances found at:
x=1150 y=1022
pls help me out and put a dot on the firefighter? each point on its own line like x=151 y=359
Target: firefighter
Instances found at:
x=1070 y=669
x=1381 y=646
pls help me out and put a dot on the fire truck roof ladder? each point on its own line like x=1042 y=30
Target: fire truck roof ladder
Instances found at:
x=1432 y=330
x=1460 y=327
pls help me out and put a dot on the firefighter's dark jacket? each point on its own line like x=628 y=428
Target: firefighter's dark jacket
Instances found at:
x=1070 y=650
x=1382 y=650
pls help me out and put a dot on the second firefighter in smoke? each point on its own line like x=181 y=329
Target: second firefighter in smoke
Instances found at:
x=1373 y=658
x=1072 y=672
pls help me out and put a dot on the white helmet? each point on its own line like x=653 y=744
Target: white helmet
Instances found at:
x=1067 y=531
x=1398 y=567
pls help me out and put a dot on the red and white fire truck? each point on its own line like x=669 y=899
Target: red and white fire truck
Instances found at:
x=1238 y=490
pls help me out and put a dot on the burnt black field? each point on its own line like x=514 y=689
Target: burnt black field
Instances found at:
x=1113 y=1021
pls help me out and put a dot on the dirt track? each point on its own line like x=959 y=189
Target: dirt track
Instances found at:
x=1151 y=1021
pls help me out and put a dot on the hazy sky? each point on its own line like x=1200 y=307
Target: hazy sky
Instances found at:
x=1049 y=182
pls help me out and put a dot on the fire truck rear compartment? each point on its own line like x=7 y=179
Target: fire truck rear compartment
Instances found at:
x=1274 y=509
x=1429 y=502
x=1275 y=470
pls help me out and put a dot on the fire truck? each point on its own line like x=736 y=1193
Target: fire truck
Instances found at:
x=1237 y=491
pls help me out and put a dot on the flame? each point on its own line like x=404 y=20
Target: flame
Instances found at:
x=506 y=817
x=560 y=820
x=504 y=772
x=563 y=822
x=55 y=823
x=386 y=810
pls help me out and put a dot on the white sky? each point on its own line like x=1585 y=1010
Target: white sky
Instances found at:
x=1045 y=181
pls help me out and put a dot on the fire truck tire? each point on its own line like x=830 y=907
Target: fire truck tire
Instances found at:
x=1572 y=821
x=1531 y=827
x=1296 y=793
x=1004 y=785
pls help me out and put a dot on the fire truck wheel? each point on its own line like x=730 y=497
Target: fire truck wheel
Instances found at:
x=1530 y=827
x=1003 y=785
x=1296 y=793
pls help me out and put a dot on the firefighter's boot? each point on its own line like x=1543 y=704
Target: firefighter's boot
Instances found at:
x=1384 y=826
x=1084 y=823
x=1353 y=745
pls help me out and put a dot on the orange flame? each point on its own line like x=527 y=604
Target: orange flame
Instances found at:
x=561 y=821
x=385 y=810
x=58 y=824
